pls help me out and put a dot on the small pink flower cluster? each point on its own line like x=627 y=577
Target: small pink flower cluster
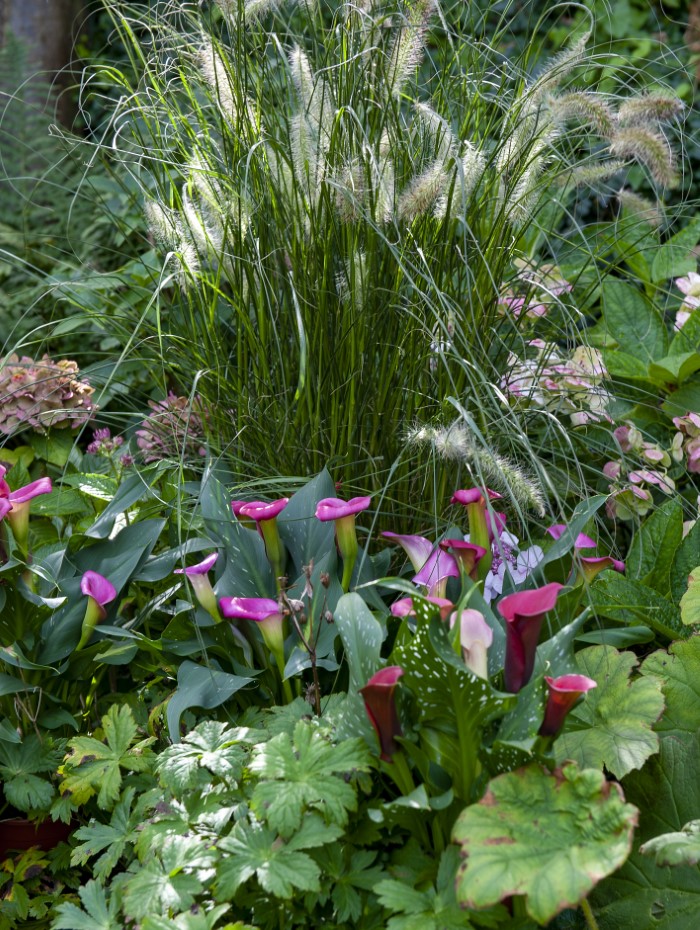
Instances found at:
x=630 y=486
x=566 y=385
x=175 y=427
x=690 y=286
x=104 y=444
x=687 y=440
x=42 y=394
x=545 y=281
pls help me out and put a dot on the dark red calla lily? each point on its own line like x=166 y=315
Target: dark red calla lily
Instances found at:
x=563 y=693
x=524 y=612
x=380 y=704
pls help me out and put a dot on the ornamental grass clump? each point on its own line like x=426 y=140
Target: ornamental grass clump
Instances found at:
x=42 y=394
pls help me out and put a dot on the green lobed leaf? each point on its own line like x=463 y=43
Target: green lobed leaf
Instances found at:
x=99 y=914
x=548 y=836
x=674 y=369
x=690 y=602
x=679 y=848
x=612 y=727
x=212 y=748
x=170 y=880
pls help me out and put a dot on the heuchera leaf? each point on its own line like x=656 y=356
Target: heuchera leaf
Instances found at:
x=550 y=836
x=612 y=727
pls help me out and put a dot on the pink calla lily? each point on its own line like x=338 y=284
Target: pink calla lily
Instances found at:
x=265 y=514
x=590 y=567
x=417 y=548
x=15 y=504
x=474 y=496
x=342 y=513
x=475 y=636
x=563 y=693
x=582 y=541
x=524 y=612
x=99 y=592
x=261 y=510
x=434 y=574
x=380 y=704
x=467 y=554
x=482 y=527
x=198 y=576
x=404 y=607
x=266 y=613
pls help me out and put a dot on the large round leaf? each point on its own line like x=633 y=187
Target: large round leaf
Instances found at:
x=550 y=836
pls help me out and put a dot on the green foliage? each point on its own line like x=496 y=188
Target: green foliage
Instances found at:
x=525 y=837
x=680 y=848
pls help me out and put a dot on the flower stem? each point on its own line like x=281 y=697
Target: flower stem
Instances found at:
x=591 y=922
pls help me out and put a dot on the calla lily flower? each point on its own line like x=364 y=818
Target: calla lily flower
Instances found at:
x=434 y=574
x=266 y=613
x=564 y=692
x=475 y=636
x=590 y=567
x=265 y=514
x=15 y=504
x=343 y=514
x=99 y=591
x=468 y=554
x=524 y=612
x=380 y=704
x=582 y=541
x=481 y=529
x=404 y=607
x=417 y=548
x=198 y=576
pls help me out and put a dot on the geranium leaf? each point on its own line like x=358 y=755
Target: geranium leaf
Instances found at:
x=211 y=748
x=549 y=836
x=98 y=913
x=612 y=727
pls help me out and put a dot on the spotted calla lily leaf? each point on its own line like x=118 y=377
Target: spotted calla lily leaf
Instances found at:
x=613 y=726
x=547 y=836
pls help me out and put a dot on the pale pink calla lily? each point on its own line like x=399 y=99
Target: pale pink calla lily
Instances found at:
x=475 y=636
x=563 y=693
x=582 y=541
x=343 y=515
x=524 y=612
x=434 y=574
x=380 y=704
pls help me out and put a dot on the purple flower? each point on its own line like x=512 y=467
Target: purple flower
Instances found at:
x=265 y=515
x=343 y=514
x=582 y=541
x=434 y=574
x=261 y=510
x=99 y=591
x=267 y=614
x=564 y=692
x=474 y=496
x=380 y=704
x=199 y=579
x=524 y=612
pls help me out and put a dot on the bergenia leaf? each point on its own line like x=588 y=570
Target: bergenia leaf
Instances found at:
x=548 y=836
x=681 y=848
x=612 y=726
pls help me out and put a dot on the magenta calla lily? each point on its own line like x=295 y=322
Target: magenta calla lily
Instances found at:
x=563 y=693
x=590 y=567
x=524 y=612
x=267 y=614
x=404 y=607
x=99 y=592
x=15 y=504
x=481 y=527
x=198 y=576
x=467 y=554
x=417 y=548
x=333 y=508
x=380 y=704
x=342 y=513
x=434 y=574
x=475 y=636
x=265 y=514
x=582 y=541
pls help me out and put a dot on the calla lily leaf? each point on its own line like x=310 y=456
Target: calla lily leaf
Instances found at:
x=549 y=836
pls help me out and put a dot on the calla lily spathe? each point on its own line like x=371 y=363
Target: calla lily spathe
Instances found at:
x=380 y=704
x=563 y=693
x=99 y=592
x=342 y=513
x=524 y=612
x=198 y=576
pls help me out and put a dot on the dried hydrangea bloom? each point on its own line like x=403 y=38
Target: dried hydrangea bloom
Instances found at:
x=174 y=429
x=41 y=394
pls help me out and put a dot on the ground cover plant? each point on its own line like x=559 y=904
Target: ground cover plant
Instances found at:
x=380 y=610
